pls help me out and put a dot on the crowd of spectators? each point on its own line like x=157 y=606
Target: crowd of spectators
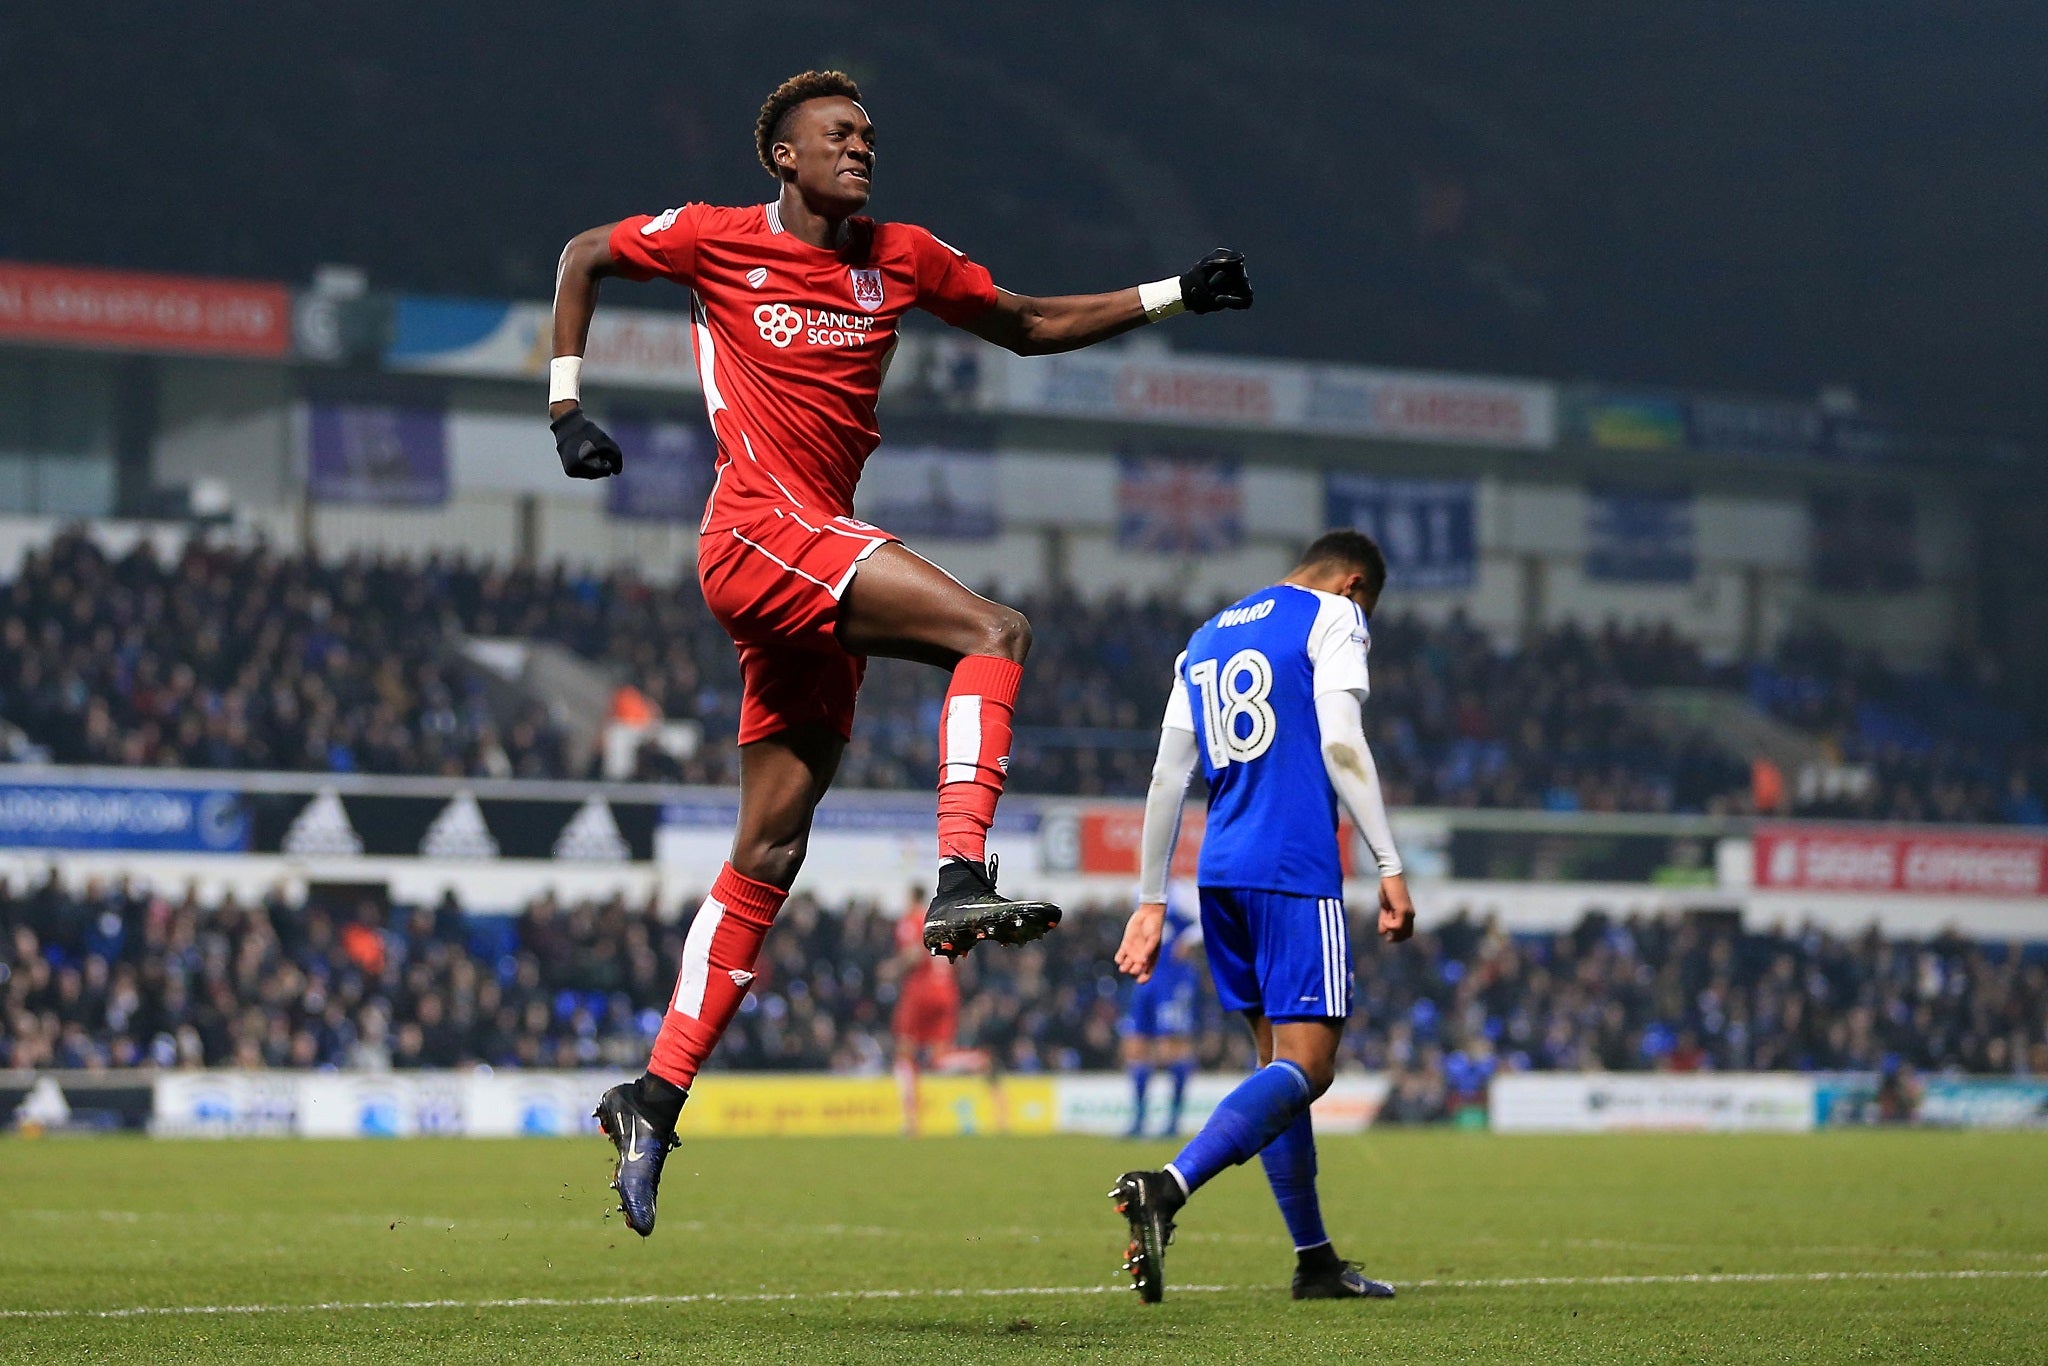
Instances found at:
x=1927 y=747
x=227 y=658
x=243 y=658
x=117 y=976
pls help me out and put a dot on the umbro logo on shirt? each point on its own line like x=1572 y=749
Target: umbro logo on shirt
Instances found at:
x=757 y=277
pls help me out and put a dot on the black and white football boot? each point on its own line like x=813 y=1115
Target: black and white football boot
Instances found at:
x=967 y=909
x=643 y=1146
x=1148 y=1200
x=1344 y=1281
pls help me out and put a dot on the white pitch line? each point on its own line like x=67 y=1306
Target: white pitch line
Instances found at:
x=1001 y=1292
x=1735 y=1278
x=580 y=1302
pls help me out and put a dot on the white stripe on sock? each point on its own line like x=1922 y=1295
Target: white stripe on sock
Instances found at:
x=962 y=733
x=696 y=969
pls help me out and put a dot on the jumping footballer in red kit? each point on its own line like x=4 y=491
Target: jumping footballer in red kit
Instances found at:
x=796 y=305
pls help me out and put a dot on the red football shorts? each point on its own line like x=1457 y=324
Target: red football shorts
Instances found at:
x=927 y=1014
x=775 y=585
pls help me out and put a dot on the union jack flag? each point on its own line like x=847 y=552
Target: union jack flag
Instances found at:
x=1176 y=505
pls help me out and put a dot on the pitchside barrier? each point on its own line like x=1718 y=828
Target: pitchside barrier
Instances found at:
x=497 y=844
x=512 y=1104
x=529 y=1104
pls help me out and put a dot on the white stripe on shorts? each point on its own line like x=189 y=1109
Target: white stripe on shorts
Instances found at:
x=1340 y=964
x=1335 y=978
x=839 y=589
x=1323 y=934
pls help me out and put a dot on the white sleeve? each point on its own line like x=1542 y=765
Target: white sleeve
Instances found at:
x=1348 y=761
x=1337 y=646
x=1179 y=715
x=1183 y=898
x=1163 y=800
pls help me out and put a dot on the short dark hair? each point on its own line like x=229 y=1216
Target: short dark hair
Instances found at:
x=1352 y=549
x=775 y=110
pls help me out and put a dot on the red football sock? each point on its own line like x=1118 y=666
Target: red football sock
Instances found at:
x=718 y=967
x=974 y=752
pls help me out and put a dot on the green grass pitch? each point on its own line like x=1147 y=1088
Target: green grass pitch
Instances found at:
x=1853 y=1246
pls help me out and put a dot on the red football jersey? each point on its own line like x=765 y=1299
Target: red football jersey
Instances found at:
x=792 y=340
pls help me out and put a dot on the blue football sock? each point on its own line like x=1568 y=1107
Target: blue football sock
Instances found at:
x=1141 y=1077
x=1290 y=1162
x=1250 y=1117
x=1180 y=1072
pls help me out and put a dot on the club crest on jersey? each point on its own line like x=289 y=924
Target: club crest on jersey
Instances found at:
x=758 y=276
x=867 y=288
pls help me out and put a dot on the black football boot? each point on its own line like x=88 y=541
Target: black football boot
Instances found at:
x=643 y=1144
x=1344 y=1281
x=967 y=909
x=1149 y=1201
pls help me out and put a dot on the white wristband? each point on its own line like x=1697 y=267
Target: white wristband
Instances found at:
x=1161 y=299
x=565 y=380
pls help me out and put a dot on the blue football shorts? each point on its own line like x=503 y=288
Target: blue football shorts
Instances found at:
x=1280 y=953
x=1163 y=1007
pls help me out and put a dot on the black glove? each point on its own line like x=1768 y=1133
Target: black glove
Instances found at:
x=1217 y=281
x=587 y=452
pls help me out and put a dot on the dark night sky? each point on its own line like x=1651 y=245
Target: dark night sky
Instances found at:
x=1761 y=198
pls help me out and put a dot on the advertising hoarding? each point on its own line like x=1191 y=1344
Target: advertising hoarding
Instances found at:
x=137 y=311
x=1920 y=862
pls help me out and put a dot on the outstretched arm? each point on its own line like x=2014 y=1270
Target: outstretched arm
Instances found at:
x=586 y=451
x=1067 y=322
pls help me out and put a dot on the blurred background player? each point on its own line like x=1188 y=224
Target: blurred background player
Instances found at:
x=926 y=1021
x=1158 y=1024
x=796 y=304
x=1267 y=697
x=926 y=1026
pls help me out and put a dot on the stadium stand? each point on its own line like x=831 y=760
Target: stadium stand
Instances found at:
x=243 y=658
x=120 y=976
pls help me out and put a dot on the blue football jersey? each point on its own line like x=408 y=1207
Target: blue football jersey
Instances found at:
x=1247 y=688
x=1183 y=924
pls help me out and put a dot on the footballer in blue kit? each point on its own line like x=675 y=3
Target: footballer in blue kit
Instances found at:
x=1158 y=1023
x=1267 y=699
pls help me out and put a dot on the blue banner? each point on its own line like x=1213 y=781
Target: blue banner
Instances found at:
x=426 y=330
x=1639 y=535
x=376 y=453
x=1985 y=1102
x=1754 y=427
x=1424 y=526
x=174 y=820
x=931 y=491
x=667 y=475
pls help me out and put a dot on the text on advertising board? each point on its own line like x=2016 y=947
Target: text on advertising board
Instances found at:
x=147 y=312
x=1815 y=860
